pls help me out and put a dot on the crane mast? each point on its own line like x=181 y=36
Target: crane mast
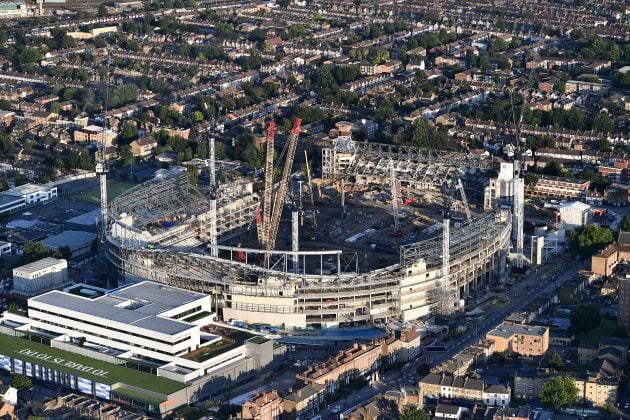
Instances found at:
x=460 y=187
x=263 y=227
x=280 y=196
x=394 y=187
x=310 y=189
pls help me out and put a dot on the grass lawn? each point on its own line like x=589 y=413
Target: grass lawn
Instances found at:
x=607 y=328
x=208 y=352
x=11 y=346
x=197 y=316
x=93 y=195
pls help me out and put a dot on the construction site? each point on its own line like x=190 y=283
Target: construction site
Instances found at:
x=386 y=233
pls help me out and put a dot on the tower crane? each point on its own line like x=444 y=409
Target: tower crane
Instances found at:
x=394 y=186
x=310 y=190
x=263 y=221
x=270 y=231
x=460 y=187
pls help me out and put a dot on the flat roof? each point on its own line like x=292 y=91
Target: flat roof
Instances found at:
x=70 y=238
x=136 y=313
x=62 y=360
x=38 y=265
x=508 y=330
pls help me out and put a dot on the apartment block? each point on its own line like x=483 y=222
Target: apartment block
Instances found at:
x=557 y=187
x=522 y=339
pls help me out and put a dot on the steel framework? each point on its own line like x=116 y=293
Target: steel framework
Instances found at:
x=412 y=165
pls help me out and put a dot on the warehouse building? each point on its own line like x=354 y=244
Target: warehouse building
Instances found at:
x=40 y=276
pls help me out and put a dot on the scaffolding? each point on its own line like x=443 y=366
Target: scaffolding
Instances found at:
x=419 y=168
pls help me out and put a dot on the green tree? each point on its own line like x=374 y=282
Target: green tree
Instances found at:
x=410 y=412
x=588 y=240
x=35 y=249
x=603 y=145
x=555 y=361
x=126 y=155
x=585 y=318
x=21 y=382
x=531 y=179
x=198 y=116
x=625 y=223
x=603 y=123
x=553 y=168
x=559 y=392
x=102 y=10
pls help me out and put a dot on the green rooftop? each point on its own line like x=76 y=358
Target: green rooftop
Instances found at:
x=258 y=340
x=58 y=359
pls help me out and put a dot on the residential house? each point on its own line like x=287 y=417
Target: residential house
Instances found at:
x=143 y=147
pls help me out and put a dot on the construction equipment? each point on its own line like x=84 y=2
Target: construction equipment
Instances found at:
x=262 y=224
x=460 y=187
x=271 y=233
x=310 y=190
x=395 y=193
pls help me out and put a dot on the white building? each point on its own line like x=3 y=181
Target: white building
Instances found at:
x=497 y=396
x=13 y=9
x=5 y=248
x=8 y=394
x=575 y=214
x=145 y=319
x=499 y=191
x=148 y=322
x=25 y=196
x=40 y=276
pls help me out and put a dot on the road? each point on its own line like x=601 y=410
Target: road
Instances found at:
x=520 y=295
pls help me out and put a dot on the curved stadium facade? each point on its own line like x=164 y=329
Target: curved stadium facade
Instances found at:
x=158 y=231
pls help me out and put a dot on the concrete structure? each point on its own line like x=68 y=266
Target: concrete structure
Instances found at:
x=284 y=298
x=575 y=214
x=522 y=339
x=40 y=276
x=13 y=9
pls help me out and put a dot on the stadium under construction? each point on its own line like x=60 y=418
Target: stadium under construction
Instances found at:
x=385 y=234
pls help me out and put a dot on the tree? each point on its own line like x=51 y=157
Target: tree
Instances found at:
x=588 y=240
x=413 y=413
x=559 y=392
x=603 y=145
x=531 y=179
x=36 y=250
x=555 y=361
x=102 y=10
x=126 y=154
x=21 y=382
x=552 y=168
x=585 y=318
x=603 y=123
x=625 y=223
